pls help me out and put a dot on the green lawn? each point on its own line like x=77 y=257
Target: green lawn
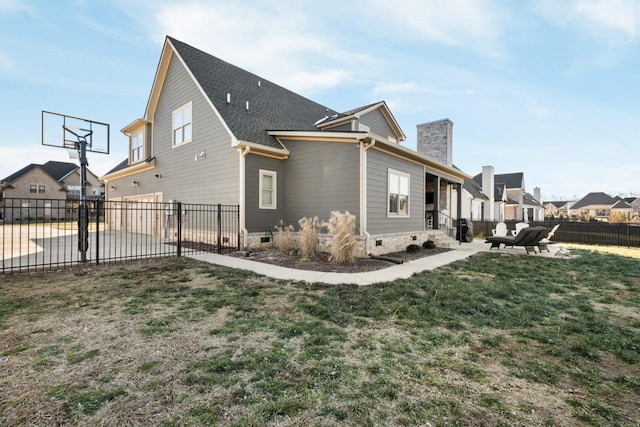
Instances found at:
x=493 y=340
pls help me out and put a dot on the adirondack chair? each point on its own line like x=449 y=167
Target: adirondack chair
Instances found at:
x=500 y=230
x=519 y=227
x=528 y=237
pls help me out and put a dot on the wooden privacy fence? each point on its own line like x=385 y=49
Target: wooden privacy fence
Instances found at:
x=42 y=233
x=591 y=233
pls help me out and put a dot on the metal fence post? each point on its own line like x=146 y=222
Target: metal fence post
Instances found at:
x=179 y=218
x=98 y=207
x=219 y=239
x=238 y=224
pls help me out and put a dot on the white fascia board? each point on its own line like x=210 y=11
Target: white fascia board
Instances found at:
x=289 y=134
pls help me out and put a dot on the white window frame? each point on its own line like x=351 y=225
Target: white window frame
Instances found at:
x=180 y=126
x=139 y=149
x=274 y=191
x=398 y=190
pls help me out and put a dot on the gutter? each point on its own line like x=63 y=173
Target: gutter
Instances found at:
x=243 y=155
x=363 y=192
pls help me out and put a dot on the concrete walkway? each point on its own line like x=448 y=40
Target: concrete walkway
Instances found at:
x=394 y=272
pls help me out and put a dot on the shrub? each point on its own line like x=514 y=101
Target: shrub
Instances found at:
x=342 y=227
x=413 y=248
x=309 y=237
x=429 y=244
x=285 y=242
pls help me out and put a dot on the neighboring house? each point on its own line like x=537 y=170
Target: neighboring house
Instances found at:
x=476 y=201
x=214 y=133
x=48 y=191
x=511 y=201
x=595 y=205
x=635 y=205
x=556 y=209
x=622 y=208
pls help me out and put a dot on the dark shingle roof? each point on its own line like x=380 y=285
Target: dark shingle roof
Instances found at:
x=511 y=180
x=528 y=199
x=595 y=199
x=56 y=170
x=474 y=189
x=621 y=204
x=271 y=107
x=557 y=203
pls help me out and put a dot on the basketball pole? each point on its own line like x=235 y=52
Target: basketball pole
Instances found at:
x=83 y=232
x=83 y=214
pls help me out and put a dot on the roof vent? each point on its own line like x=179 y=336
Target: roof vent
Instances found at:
x=228 y=98
x=246 y=106
x=258 y=83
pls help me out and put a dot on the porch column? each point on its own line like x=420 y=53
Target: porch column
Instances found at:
x=459 y=213
x=436 y=204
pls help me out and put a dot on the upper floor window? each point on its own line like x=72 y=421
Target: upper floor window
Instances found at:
x=398 y=200
x=137 y=146
x=182 y=124
x=36 y=188
x=268 y=187
x=74 y=189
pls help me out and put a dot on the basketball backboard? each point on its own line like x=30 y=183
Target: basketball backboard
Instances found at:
x=60 y=130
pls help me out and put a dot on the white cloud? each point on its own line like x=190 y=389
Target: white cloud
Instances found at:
x=470 y=24
x=15 y=6
x=6 y=64
x=601 y=18
x=277 y=41
x=617 y=15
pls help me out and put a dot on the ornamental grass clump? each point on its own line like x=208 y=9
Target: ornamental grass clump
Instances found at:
x=285 y=241
x=342 y=227
x=309 y=246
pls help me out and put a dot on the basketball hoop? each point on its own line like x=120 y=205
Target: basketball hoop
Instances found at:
x=73 y=154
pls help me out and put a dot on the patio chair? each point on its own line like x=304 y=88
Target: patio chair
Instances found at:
x=519 y=227
x=546 y=241
x=500 y=230
x=528 y=238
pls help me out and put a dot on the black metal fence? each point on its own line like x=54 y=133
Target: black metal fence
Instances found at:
x=592 y=233
x=43 y=233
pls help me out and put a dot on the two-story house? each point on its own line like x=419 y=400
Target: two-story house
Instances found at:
x=215 y=133
x=48 y=191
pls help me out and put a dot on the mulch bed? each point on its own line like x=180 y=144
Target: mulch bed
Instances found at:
x=321 y=261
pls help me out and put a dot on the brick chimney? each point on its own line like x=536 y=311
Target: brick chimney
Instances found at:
x=435 y=139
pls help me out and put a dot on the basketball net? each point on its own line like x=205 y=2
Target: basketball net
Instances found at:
x=73 y=154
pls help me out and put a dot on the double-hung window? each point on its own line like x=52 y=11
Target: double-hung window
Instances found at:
x=137 y=146
x=398 y=193
x=36 y=188
x=182 y=126
x=268 y=187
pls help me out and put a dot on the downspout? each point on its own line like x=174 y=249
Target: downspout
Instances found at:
x=363 y=192
x=243 y=154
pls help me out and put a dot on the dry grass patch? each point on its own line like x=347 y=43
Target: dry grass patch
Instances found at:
x=490 y=340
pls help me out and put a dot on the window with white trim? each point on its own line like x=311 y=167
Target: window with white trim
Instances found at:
x=137 y=146
x=36 y=188
x=398 y=193
x=182 y=124
x=268 y=187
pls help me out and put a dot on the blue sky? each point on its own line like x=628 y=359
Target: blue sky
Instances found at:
x=549 y=88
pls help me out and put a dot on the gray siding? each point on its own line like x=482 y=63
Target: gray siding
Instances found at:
x=256 y=219
x=342 y=128
x=377 y=124
x=321 y=177
x=317 y=178
x=213 y=179
x=378 y=164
